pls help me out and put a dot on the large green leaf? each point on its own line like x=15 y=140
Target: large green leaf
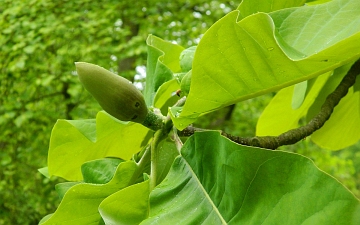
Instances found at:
x=166 y=154
x=217 y=181
x=127 y=206
x=74 y=142
x=331 y=84
x=162 y=62
x=100 y=171
x=248 y=7
x=237 y=60
x=339 y=131
x=279 y=116
x=342 y=129
x=300 y=91
x=62 y=188
x=80 y=203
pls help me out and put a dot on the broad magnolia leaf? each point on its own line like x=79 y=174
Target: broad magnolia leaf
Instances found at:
x=248 y=7
x=81 y=201
x=279 y=116
x=217 y=181
x=301 y=90
x=62 y=188
x=100 y=171
x=299 y=94
x=162 y=62
x=127 y=206
x=166 y=154
x=74 y=142
x=265 y=52
x=331 y=84
x=342 y=129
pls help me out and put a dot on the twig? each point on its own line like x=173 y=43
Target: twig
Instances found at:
x=177 y=140
x=159 y=135
x=181 y=102
x=292 y=136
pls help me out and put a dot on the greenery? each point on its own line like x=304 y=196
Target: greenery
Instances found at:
x=40 y=41
x=122 y=172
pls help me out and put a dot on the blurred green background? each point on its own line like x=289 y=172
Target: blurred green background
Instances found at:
x=40 y=41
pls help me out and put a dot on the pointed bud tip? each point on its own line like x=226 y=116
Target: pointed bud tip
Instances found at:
x=78 y=63
x=84 y=68
x=81 y=63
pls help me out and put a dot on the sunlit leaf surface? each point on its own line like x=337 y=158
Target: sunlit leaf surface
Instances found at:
x=240 y=58
x=81 y=201
x=74 y=142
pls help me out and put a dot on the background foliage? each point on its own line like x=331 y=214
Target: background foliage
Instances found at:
x=39 y=42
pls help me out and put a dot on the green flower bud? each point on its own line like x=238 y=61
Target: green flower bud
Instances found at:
x=185 y=83
x=115 y=94
x=186 y=58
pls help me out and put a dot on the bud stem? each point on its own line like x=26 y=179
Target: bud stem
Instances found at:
x=153 y=121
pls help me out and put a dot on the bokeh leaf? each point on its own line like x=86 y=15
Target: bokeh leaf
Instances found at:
x=265 y=52
x=217 y=181
x=73 y=143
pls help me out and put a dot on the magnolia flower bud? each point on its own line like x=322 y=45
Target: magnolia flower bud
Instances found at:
x=115 y=94
x=186 y=58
